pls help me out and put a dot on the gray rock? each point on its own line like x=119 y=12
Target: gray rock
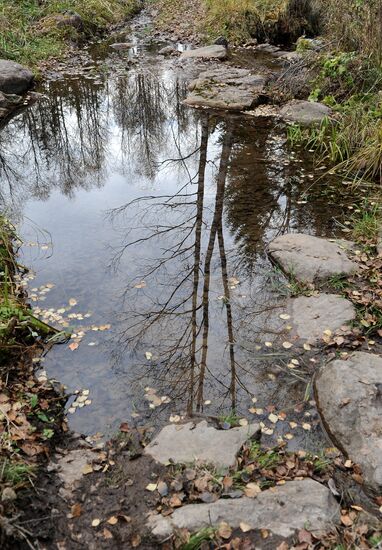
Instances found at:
x=14 y=78
x=311 y=315
x=310 y=259
x=70 y=19
x=208 y=52
x=184 y=443
x=121 y=45
x=305 y=113
x=281 y=510
x=167 y=50
x=226 y=88
x=349 y=399
x=221 y=41
x=9 y=100
x=289 y=57
x=268 y=48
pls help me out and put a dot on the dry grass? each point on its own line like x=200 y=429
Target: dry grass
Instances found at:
x=355 y=25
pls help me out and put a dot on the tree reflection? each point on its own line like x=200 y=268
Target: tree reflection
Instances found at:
x=83 y=130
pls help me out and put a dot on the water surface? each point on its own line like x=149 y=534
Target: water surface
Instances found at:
x=149 y=223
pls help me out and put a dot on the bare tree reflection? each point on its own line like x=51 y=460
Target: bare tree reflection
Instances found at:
x=82 y=129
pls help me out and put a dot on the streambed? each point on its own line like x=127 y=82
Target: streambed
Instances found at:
x=119 y=191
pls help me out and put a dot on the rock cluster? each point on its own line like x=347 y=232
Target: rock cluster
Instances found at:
x=280 y=510
x=310 y=259
x=349 y=399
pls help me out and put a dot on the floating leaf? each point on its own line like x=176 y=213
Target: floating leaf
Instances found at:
x=72 y=302
x=148 y=355
x=287 y=345
x=151 y=487
x=245 y=527
x=73 y=346
x=141 y=284
x=284 y=316
x=96 y=522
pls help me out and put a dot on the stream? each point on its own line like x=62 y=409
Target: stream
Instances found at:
x=145 y=224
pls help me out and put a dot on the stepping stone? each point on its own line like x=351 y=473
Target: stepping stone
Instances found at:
x=281 y=510
x=349 y=399
x=312 y=315
x=226 y=88
x=14 y=78
x=310 y=259
x=183 y=443
x=215 y=51
x=305 y=113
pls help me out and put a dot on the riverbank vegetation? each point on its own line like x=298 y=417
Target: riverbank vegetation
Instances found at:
x=30 y=408
x=33 y=30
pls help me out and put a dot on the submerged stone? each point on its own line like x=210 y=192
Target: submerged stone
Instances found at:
x=312 y=315
x=184 y=443
x=281 y=510
x=349 y=399
x=310 y=259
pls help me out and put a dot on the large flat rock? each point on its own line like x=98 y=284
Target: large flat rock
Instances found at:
x=207 y=52
x=305 y=113
x=226 y=88
x=14 y=78
x=349 y=400
x=281 y=510
x=310 y=259
x=183 y=443
x=312 y=315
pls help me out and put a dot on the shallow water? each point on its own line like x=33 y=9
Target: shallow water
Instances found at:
x=105 y=176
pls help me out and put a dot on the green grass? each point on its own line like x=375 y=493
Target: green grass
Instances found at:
x=196 y=540
x=231 y=418
x=29 y=31
x=265 y=458
x=338 y=282
x=14 y=473
x=367 y=224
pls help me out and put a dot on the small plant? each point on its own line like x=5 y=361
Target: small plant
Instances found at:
x=266 y=458
x=367 y=224
x=231 y=418
x=320 y=462
x=338 y=282
x=196 y=540
x=15 y=472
